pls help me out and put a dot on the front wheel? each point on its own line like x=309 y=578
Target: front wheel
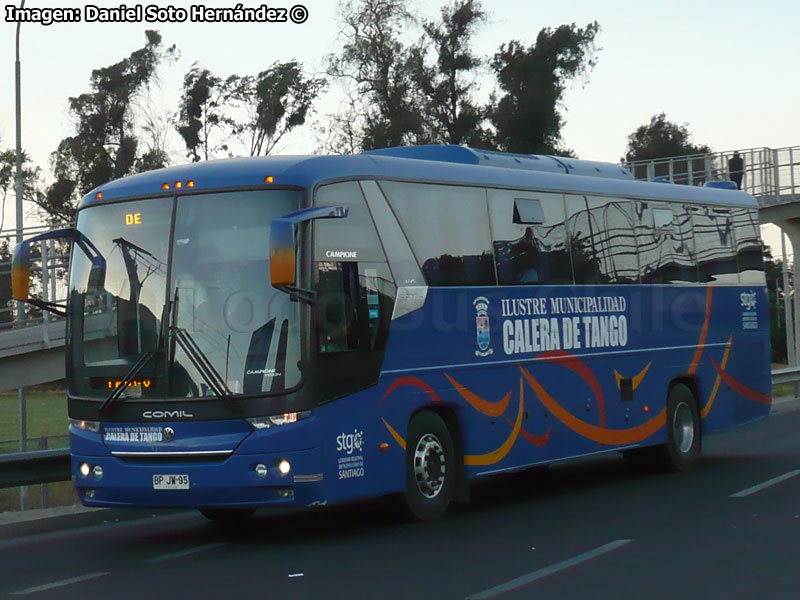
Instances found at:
x=430 y=467
x=227 y=515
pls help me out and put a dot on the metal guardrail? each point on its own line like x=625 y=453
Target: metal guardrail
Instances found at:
x=30 y=468
x=46 y=466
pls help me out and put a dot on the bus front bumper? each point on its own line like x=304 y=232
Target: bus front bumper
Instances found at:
x=230 y=482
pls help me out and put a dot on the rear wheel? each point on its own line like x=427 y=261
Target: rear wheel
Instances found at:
x=683 y=436
x=683 y=431
x=430 y=467
x=227 y=515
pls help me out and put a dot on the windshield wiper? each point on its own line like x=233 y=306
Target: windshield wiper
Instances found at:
x=144 y=359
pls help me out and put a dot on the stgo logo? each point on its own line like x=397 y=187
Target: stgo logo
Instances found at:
x=348 y=442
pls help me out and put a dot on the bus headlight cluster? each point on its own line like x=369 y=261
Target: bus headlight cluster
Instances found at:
x=84 y=469
x=284 y=467
x=93 y=426
x=261 y=470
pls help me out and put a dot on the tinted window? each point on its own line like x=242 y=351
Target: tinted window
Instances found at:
x=448 y=229
x=749 y=248
x=530 y=238
x=356 y=293
x=352 y=238
x=602 y=240
x=715 y=244
x=666 y=245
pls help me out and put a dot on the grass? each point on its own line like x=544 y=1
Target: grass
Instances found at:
x=47 y=417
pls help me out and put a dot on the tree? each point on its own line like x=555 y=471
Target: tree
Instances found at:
x=275 y=102
x=452 y=116
x=378 y=69
x=527 y=117
x=105 y=145
x=662 y=138
x=200 y=115
x=8 y=173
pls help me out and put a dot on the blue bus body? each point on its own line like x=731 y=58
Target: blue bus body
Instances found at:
x=524 y=374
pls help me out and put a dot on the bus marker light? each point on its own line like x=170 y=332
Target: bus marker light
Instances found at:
x=190 y=183
x=284 y=467
x=646 y=409
x=269 y=179
x=164 y=186
x=384 y=447
x=178 y=185
x=83 y=468
x=97 y=471
x=99 y=195
x=261 y=470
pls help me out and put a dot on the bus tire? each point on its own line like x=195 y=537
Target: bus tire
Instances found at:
x=430 y=467
x=227 y=515
x=683 y=431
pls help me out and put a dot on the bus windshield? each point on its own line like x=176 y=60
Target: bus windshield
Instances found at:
x=187 y=289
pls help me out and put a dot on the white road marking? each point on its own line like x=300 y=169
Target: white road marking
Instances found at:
x=182 y=553
x=766 y=484
x=55 y=584
x=544 y=572
x=296 y=574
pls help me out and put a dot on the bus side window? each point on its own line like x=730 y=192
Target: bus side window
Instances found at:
x=530 y=238
x=749 y=249
x=715 y=241
x=666 y=243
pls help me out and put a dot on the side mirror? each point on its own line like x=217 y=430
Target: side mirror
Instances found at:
x=21 y=266
x=282 y=248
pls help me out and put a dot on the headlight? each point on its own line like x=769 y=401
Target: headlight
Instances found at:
x=93 y=426
x=278 y=420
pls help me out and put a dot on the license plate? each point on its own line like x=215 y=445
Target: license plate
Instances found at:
x=170 y=482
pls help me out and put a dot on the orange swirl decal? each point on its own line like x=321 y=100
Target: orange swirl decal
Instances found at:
x=612 y=437
x=637 y=379
x=490 y=409
x=741 y=388
x=577 y=366
x=703 y=333
x=537 y=440
x=496 y=456
x=713 y=396
x=397 y=437
x=412 y=382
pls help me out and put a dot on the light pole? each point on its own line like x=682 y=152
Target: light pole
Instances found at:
x=23 y=413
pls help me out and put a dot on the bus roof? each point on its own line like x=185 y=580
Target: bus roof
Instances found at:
x=452 y=165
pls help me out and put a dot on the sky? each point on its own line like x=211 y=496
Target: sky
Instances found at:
x=726 y=69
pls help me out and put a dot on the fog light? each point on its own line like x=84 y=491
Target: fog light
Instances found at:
x=285 y=492
x=84 y=469
x=261 y=470
x=284 y=467
x=89 y=494
x=97 y=471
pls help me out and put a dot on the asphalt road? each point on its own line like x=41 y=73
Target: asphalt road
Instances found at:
x=586 y=530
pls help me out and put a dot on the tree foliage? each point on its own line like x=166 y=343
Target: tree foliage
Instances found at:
x=105 y=145
x=527 y=116
x=201 y=114
x=452 y=115
x=273 y=103
x=378 y=69
x=661 y=138
x=8 y=174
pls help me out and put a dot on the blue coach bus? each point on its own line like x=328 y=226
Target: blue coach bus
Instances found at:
x=301 y=331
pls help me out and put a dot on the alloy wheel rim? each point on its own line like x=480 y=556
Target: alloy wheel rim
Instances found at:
x=429 y=466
